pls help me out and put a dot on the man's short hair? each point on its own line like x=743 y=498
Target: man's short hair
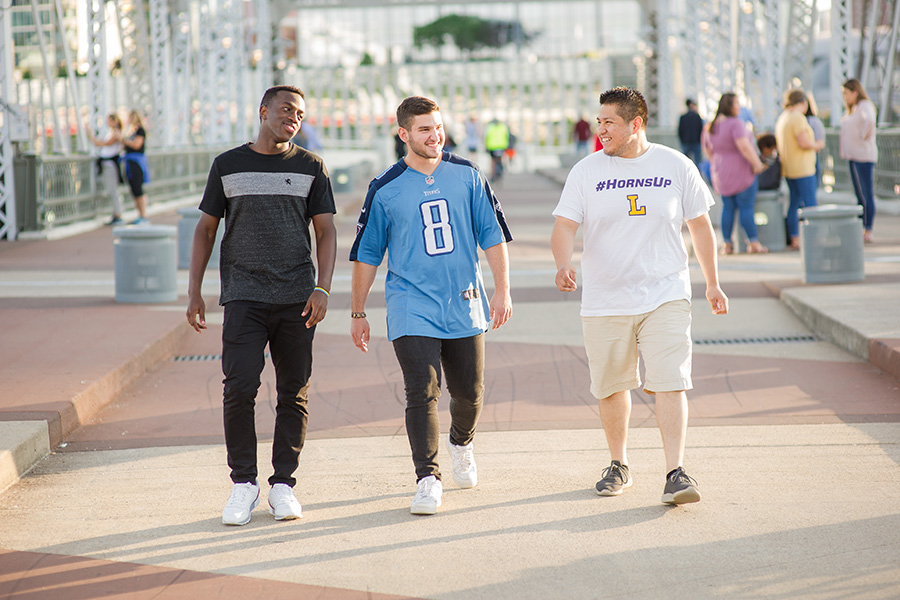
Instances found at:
x=273 y=91
x=629 y=103
x=412 y=107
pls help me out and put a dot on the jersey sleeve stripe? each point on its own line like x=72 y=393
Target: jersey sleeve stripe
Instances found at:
x=495 y=202
x=389 y=174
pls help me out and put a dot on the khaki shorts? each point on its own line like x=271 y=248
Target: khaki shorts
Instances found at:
x=662 y=337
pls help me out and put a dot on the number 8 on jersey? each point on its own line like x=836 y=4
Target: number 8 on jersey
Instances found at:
x=437 y=230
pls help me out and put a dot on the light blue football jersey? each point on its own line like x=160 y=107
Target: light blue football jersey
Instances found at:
x=431 y=228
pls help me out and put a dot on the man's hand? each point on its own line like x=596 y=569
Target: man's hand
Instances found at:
x=501 y=309
x=565 y=279
x=316 y=307
x=196 y=313
x=359 y=332
x=718 y=300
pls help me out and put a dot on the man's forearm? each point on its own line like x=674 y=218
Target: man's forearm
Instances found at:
x=363 y=279
x=498 y=259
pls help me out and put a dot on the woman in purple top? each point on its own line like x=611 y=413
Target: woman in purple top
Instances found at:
x=859 y=149
x=734 y=163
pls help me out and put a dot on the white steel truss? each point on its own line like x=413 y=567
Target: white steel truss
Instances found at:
x=71 y=88
x=160 y=68
x=183 y=88
x=889 y=81
x=761 y=58
x=98 y=62
x=8 y=223
x=49 y=77
x=800 y=37
x=197 y=68
x=715 y=46
x=135 y=54
x=773 y=58
x=840 y=52
x=658 y=69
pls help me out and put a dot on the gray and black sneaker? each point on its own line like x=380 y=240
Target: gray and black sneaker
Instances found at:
x=615 y=479
x=680 y=488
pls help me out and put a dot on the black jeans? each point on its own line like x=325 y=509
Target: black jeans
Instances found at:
x=248 y=327
x=421 y=359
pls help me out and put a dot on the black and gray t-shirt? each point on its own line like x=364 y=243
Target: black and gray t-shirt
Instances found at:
x=268 y=201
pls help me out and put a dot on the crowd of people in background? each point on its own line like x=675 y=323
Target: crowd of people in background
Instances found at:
x=735 y=159
x=739 y=161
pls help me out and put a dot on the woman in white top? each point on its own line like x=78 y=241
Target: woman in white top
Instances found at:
x=108 y=163
x=859 y=149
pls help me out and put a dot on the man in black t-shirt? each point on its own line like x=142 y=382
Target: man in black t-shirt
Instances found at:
x=268 y=192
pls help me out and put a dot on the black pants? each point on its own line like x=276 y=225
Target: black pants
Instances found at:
x=421 y=359
x=248 y=327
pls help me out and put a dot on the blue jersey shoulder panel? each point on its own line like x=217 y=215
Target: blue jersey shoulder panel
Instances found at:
x=381 y=180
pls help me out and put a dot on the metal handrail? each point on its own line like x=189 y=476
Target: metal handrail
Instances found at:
x=68 y=190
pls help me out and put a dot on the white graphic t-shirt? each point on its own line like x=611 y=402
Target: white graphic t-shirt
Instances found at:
x=631 y=211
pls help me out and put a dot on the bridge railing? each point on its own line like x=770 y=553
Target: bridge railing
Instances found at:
x=58 y=190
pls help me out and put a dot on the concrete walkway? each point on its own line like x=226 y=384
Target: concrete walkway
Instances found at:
x=112 y=458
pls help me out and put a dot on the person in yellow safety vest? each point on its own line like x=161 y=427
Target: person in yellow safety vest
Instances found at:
x=496 y=141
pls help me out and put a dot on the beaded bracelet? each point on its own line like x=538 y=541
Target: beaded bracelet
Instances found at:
x=357 y=315
x=323 y=290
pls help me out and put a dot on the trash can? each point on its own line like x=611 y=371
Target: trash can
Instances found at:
x=769 y=217
x=145 y=263
x=190 y=216
x=831 y=243
x=342 y=180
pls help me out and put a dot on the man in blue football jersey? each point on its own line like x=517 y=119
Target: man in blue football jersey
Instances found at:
x=431 y=211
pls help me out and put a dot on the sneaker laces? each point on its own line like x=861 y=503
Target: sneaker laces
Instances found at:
x=679 y=476
x=240 y=495
x=462 y=456
x=424 y=490
x=608 y=471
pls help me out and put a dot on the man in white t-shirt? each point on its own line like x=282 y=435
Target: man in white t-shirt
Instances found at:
x=632 y=199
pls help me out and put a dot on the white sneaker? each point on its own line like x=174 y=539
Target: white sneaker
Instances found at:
x=283 y=504
x=244 y=498
x=465 y=473
x=428 y=496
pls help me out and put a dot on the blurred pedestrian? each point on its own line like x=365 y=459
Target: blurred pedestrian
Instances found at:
x=690 y=128
x=797 y=147
x=496 y=142
x=473 y=135
x=137 y=169
x=582 y=134
x=734 y=163
x=308 y=138
x=859 y=149
x=770 y=178
x=812 y=117
x=108 y=163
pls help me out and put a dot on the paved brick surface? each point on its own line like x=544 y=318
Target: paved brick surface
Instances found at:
x=769 y=393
